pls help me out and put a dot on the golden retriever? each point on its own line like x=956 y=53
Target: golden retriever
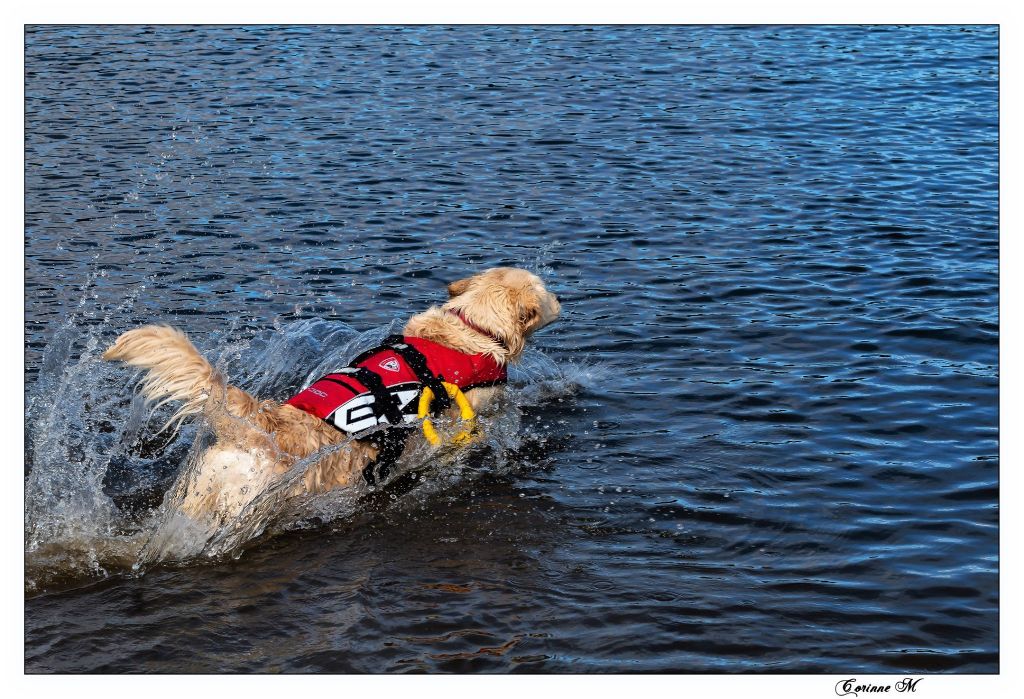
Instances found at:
x=491 y=313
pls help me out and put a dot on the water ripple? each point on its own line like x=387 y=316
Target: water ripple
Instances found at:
x=777 y=252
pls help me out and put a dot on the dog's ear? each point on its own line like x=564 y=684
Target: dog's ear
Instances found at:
x=459 y=287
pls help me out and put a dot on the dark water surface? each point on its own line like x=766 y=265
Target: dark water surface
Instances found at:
x=762 y=438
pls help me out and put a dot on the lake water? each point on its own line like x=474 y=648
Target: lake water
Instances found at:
x=762 y=438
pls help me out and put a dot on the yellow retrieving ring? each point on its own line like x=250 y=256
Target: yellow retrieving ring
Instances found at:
x=465 y=413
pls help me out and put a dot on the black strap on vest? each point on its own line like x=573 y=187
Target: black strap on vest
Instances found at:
x=418 y=363
x=390 y=444
x=384 y=402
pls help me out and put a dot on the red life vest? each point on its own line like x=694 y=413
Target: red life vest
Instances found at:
x=382 y=384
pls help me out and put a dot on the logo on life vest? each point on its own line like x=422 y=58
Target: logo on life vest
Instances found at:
x=390 y=364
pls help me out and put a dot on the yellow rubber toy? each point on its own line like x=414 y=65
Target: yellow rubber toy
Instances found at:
x=465 y=413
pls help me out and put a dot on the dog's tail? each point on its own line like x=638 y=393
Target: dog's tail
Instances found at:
x=175 y=371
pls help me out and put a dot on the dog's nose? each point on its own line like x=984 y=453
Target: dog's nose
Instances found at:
x=556 y=308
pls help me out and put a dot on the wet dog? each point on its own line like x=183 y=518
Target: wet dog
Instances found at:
x=490 y=315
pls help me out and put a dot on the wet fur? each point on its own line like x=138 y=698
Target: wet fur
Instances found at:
x=259 y=441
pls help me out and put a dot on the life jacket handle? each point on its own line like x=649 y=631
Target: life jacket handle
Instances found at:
x=466 y=414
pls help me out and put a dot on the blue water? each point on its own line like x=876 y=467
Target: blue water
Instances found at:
x=776 y=249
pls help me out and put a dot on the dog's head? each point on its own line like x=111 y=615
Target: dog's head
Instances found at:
x=509 y=303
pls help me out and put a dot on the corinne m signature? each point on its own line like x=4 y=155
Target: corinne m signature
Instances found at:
x=847 y=687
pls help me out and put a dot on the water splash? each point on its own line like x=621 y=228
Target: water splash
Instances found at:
x=103 y=480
